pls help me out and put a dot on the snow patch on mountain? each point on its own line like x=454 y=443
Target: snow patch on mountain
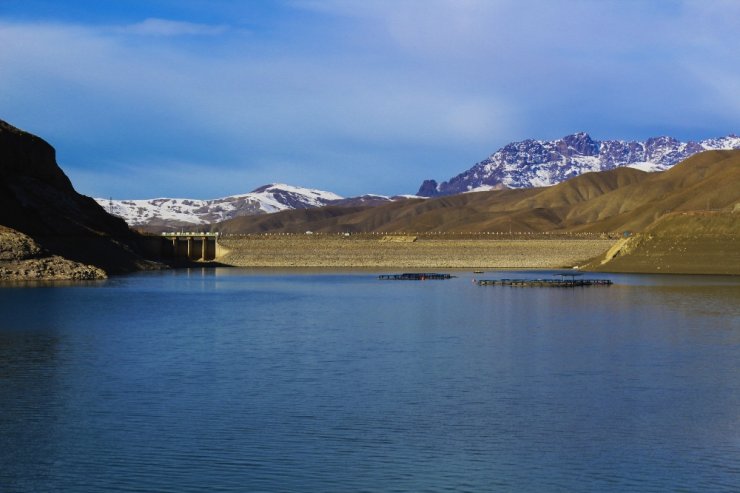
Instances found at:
x=647 y=166
x=729 y=142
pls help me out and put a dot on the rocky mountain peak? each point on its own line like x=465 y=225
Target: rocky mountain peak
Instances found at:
x=579 y=144
x=535 y=163
x=428 y=188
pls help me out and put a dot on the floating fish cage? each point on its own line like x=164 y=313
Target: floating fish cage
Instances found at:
x=413 y=276
x=546 y=283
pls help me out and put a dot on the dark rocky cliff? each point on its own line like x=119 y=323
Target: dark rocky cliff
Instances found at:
x=37 y=199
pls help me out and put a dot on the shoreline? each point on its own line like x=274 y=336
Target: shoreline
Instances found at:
x=377 y=253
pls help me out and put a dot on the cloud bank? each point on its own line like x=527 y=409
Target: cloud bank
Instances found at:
x=358 y=96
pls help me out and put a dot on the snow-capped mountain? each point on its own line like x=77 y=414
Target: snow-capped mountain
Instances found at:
x=175 y=213
x=172 y=214
x=537 y=163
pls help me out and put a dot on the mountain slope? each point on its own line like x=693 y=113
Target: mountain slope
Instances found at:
x=536 y=163
x=610 y=201
x=706 y=181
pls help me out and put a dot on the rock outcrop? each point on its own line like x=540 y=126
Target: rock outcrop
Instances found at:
x=22 y=259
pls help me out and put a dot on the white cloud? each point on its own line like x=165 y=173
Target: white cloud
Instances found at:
x=165 y=27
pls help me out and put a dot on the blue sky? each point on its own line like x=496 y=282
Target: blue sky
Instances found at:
x=203 y=99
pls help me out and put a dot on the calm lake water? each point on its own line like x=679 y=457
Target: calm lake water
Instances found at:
x=230 y=380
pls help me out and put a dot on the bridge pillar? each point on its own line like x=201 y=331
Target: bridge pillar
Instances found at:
x=191 y=246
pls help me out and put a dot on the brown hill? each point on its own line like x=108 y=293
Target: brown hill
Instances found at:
x=610 y=201
x=37 y=199
x=705 y=181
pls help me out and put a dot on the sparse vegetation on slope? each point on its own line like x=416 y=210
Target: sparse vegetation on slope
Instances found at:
x=679 y=243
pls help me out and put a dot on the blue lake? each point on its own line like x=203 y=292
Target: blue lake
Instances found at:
x=232 y=380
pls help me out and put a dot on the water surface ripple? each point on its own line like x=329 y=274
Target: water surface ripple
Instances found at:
x=228 y=380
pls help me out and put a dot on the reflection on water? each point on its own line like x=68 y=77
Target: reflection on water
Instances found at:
x=234 y=380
